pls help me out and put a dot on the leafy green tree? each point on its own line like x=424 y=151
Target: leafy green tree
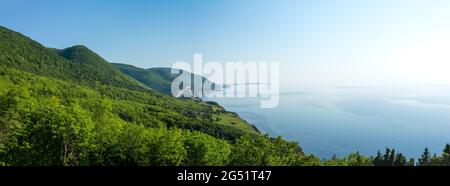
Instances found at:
x=356 y=159
x=249 y=150
x=206 y=150
x=133 y=146
x=107 y=130
x=436 y=160
x=170 y=148
x=285 y=153
x=262 y=150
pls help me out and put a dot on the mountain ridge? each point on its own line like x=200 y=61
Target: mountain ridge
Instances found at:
x=157 y=78
x=21 y=52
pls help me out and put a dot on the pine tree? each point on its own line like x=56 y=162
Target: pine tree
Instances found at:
x=425 y=160
x=386 y=157
x=400 y=160
x=447 y=148
x=392 y=158
x=411 y=162
x=378 y=160
x=446 y=155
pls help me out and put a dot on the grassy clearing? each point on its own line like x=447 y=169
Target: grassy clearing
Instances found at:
x=222 y=117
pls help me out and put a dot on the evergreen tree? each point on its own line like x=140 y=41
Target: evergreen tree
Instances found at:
x=386 y=155
x=378 y=160
x=446 y=155
x=411 y=162
x=391 y=159
x=400 y=160
x=425 y=159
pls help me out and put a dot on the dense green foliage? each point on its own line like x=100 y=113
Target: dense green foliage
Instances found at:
x=159 y=79
x=391 y=158
x=45 y=121
x=436 y=160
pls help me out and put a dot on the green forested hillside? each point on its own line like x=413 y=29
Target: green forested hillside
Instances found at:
x=95 y=66
x=70 y=107
x=51 y=114
x=83 y=66
x=159 y=79
x=45 y=121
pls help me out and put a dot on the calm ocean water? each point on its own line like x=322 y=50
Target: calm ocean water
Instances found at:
x=340 y=120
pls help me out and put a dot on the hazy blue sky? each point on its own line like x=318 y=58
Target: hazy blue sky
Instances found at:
x=335 y=42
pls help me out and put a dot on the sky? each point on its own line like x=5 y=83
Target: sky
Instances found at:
x=316 y=42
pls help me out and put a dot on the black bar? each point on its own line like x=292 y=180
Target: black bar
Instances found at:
x=170 y=175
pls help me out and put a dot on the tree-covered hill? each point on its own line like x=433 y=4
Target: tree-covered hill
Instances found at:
x=158 y=78
x=90 y=60
x=47 y=121
x=58 y=111
x=81 y=66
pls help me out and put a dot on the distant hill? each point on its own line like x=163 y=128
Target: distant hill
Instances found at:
x=159 y=79
x=87 y=58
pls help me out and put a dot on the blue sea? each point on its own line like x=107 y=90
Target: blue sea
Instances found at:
x=329 y=121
